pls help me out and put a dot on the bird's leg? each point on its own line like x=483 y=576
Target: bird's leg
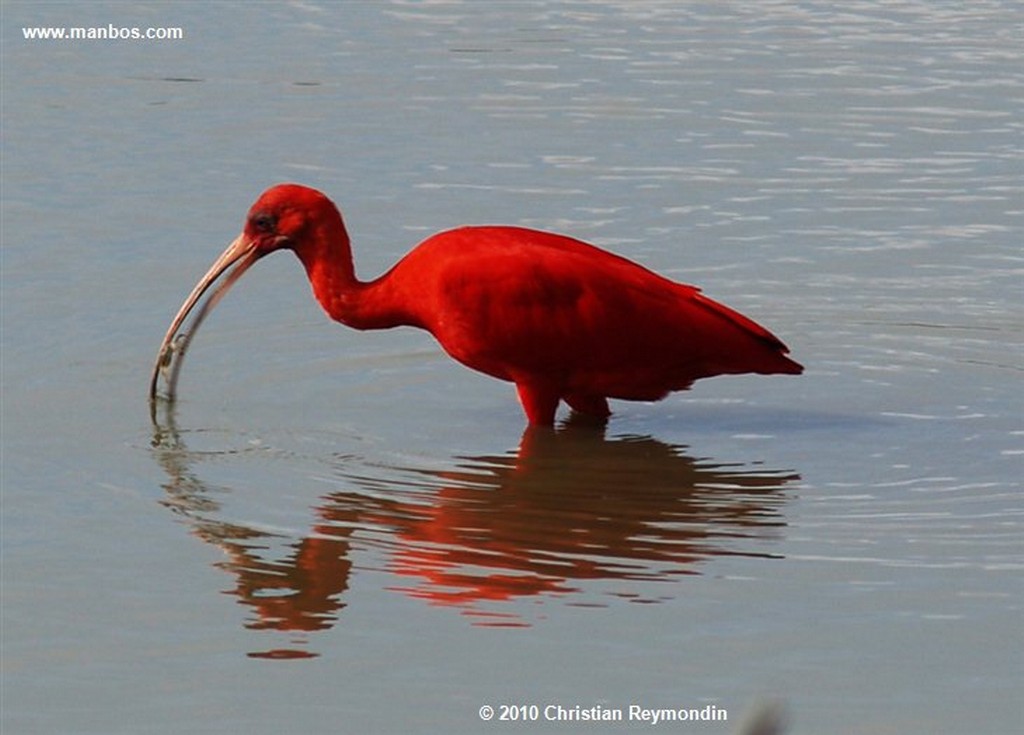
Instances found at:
x=540 y=403
x=596 y=406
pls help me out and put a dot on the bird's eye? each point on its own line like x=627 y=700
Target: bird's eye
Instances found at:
x=263 y=222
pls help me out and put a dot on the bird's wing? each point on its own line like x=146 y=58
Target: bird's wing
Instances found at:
x=509 y=301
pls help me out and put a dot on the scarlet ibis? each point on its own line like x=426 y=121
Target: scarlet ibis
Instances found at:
x=562 y=319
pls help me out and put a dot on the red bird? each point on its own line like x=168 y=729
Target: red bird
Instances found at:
x=563 y=320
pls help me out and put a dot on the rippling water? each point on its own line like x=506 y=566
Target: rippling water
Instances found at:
x=848 y=542
x=565 y=508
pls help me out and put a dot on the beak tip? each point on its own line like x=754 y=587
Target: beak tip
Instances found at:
x=241 y=254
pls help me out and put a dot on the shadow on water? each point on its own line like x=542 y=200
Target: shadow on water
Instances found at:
x=570 y=514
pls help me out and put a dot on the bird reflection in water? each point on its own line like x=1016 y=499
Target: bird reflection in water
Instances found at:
x=572 y=514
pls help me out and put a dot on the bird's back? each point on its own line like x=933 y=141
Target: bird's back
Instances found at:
x=518 y=303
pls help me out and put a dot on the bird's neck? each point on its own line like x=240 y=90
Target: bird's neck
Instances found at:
x=346 y=299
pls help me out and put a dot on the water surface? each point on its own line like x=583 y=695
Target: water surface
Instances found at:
x=343 y=530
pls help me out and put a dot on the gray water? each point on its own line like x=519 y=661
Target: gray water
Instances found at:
x=347 y=532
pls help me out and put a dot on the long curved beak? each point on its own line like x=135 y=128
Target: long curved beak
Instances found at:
x=241 y=254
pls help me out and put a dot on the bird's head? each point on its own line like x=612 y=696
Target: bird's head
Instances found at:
x=290 y=216
x=286 y=216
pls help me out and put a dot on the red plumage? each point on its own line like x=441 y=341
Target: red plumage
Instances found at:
x=561 y=319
